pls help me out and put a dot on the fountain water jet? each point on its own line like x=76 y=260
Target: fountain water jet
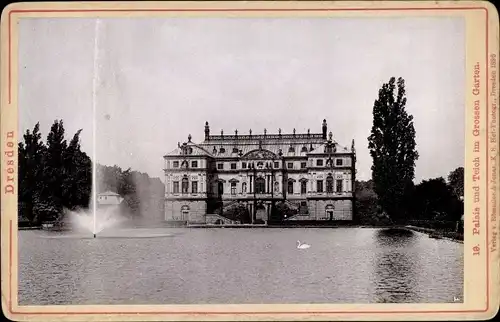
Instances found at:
x=112 y=223
x=95 y=82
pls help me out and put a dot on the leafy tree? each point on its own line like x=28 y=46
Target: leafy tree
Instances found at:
x=239 y=213
x=435 y=200
x=366 y=201
x=77 y=179
x=141 y=193
x=58 y=175
x=108 y=178
x=31 y=153
x=52 y=176
x=456 y=181
x=282 y=210
x=393 y=150
x=368 y=210
x=127 y=189
x=54 y=168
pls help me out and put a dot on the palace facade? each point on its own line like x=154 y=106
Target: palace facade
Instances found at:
x=309 y=174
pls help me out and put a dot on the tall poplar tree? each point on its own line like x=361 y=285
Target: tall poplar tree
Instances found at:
x=54 y=171
x=393 y=150
x=77 y=178
x=31 y=183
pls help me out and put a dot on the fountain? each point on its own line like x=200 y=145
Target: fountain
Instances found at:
x=105 y=219
x=84 y=221
x=110 y=223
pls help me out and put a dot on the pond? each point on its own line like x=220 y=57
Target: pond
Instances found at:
x=240 y=266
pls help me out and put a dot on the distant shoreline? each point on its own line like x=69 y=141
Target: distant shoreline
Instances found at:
x=433 y=233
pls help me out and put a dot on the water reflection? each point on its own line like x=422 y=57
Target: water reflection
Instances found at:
x=395 y=237
x=395 y=276
x=239 y=266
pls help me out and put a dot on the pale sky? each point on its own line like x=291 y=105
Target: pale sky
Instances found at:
x=160 y=79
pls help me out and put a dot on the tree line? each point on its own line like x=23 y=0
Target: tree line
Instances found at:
x=391 y=196
x=435 y=199
x=56 y=175
x=143 y=196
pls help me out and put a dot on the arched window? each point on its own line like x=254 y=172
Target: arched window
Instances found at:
x=303 y=187
x=260 y=185
x=304 y=149
x=185 y=185
x=291 y=149
x=329 y=184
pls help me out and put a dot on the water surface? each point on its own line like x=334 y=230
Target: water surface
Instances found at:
x=245 y=266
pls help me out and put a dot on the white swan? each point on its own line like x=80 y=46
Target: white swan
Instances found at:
x=302 y=246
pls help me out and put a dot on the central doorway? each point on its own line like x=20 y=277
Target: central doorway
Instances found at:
x=329 y=212
x=185 y=213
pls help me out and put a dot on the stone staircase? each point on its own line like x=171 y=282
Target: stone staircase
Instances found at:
x=214 y=219
x=292 y=205
x=229 y=205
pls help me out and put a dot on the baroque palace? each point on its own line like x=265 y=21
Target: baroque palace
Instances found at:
x=309 y=174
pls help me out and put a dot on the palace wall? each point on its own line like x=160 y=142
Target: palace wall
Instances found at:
x=193 y=211
x=311 y=171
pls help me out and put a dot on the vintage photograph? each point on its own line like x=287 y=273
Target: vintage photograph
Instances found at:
x=254 y=160
x=249 y=160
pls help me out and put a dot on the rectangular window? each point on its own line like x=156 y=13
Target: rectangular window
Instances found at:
x=243 y=165
x=194 y=187
x=233 y=166
x=175 y=164
x=339 y=185
x=220 y=166
x=194 y=164
x=185 y=185
x=319 y=185
x=176 y=186
x=303 y=187
x=319 y=163
x=233 y=188
x=290 y=165
x=329 y=185
x=276 y=165
x=303 y=165
x=339 y=162
x=290 y=186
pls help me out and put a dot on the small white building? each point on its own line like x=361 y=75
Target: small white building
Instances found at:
x=109 y=198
